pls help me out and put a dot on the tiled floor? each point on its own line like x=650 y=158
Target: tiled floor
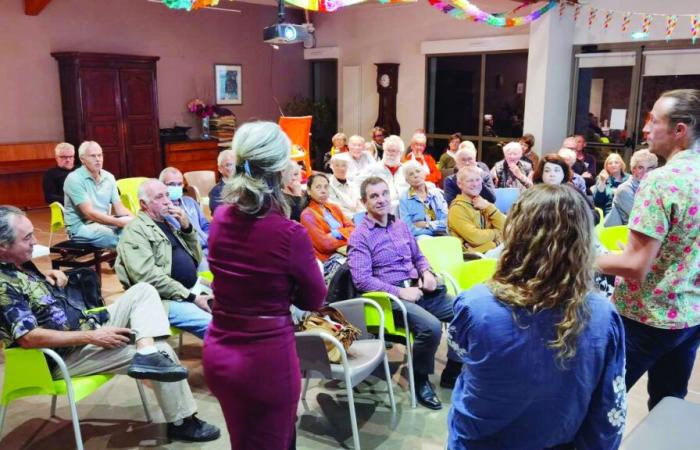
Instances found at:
x=113 y=417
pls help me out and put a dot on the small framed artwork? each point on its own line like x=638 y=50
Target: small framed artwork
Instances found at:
x=228 y=84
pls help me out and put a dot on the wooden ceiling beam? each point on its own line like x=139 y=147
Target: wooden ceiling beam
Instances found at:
x=34 y=7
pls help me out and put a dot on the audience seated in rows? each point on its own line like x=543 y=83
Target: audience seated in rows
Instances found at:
x=466 y=156
x=94 y=214
x=447 y=159
x=416 y=152
x=360 y=160
x=384 y=256
x=512 y=171
x=543 y=351
x=612 y=176
x=569 y=157
x=527 y=142
x=422 y=207
x=32 y=317
x=328 y=229
x=340 y=191
x=389 y=169
x=477 y=223
x=642 y=162
x=292 y=190
x=554 y=170
x=374 y=147
x=161 y=248
x=172 y=178
x=226 y=163
x=340 y=143
x=55 y=177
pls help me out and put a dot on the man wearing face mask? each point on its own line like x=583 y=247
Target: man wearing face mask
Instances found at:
x=172 y=178
x=161 y=247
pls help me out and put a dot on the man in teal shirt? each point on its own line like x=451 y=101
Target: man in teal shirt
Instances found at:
x=94 y=213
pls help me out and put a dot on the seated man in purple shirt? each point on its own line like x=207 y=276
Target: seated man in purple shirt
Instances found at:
x=383 y=256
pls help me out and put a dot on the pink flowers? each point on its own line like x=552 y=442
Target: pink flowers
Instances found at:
x=672 y=314
x=693 y=210
x=200 y=108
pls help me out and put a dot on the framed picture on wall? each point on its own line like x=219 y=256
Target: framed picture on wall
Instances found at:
x=228 y=84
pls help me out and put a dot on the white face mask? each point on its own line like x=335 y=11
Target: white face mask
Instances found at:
x=175 y=192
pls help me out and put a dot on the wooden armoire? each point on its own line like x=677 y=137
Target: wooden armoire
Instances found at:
x=113 y=100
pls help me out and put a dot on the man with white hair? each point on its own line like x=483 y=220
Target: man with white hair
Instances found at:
x=466 y=157
x=91 y=193
x=512 y=171
x=642 y=162
x=56 y=176
x=172 y=178
x=360 y=160
x=161 y=248
x=226 y=162
x=340 y=190
x=388 y=169
x=569 y=157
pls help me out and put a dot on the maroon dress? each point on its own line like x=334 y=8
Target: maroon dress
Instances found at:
x=260 y=267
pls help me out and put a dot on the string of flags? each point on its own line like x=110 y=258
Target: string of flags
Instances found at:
x=630 y=18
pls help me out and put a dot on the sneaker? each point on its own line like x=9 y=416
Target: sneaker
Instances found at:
x=156 y=366
x=193 y=429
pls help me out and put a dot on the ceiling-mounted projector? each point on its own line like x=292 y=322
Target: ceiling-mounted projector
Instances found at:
x=285 y=33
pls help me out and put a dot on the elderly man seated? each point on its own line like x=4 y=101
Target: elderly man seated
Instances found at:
x=226 y=162
x=360 y=160
x=56 y=176
x=422 y=207
x=389 y=167
x=384 y=256
x=175 y=182
x=340 y=190
x=512 y=171
x=642 y=162
x=466 y=156
x=569 y=156
x=476 y=222
x=161 y=248
x=91 y=193
x=32 y=317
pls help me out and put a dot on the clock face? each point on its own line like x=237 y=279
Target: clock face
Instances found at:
x=384 y=81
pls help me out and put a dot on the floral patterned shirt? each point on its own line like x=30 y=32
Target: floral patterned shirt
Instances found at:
x=667 y=208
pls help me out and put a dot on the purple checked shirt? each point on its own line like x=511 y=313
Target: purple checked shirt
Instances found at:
x=381 y=257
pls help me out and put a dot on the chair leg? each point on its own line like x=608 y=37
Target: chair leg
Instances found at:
x=142 y=393
x=306 y=385
x=76 y=420
x=53 y=406
x=411 y=379
x=390 y=385
x=353 y=416
x=3 y=411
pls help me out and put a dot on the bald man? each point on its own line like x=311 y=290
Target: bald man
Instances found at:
x=161 y=247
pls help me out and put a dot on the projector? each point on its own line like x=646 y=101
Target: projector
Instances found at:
x=285 y=33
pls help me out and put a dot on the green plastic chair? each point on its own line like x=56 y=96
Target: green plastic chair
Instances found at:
x=442 y=252
x=373 y=321
x=27 y=374
x=57 y=222
x=128 y=192
x=610 y=236
x=471 y=273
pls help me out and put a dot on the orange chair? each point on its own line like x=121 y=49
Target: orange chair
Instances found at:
x=298 y=130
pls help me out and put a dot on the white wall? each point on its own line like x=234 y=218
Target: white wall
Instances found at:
x=369 y=33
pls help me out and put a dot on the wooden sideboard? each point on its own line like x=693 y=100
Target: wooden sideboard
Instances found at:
x=196 y=154
x=22 y=168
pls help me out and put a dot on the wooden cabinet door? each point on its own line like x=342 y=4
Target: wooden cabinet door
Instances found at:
x=140 y=106
x=102 y=115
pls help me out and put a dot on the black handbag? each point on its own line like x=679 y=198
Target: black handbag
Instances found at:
x=82 y=292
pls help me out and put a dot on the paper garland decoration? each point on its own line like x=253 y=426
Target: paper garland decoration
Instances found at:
x=671 y=22
x=694 y=28
x=608 y=19
x=591 y=17
x=463 y=9
x=626 y=19
x=577 y=12
x=330 y=6
x=562 y=8
x=189 y=5
x=646 y=23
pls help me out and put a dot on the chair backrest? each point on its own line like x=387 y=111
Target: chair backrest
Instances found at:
x=57 y=222
x=26 y=374
x=202 y=180
x=312 y=354
x=354 y=312
x=442 y=252
x=475 y=272
x=372 y=318
x=505 y=197
x=610 y=236
x=298 y=129
x=129 y=192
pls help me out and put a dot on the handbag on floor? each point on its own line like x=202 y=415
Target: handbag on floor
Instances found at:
x=333 y=322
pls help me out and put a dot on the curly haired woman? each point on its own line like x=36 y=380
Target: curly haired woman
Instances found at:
x=543 y=355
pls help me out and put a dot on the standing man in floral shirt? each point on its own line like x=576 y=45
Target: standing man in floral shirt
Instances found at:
x=658 y=286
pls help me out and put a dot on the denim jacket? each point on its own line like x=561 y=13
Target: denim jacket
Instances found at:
x=197 y=219
x=411 y=210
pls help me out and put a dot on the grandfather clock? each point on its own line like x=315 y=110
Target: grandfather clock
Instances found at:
x=387 y=87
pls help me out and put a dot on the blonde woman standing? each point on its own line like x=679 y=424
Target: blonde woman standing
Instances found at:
x=543 y=355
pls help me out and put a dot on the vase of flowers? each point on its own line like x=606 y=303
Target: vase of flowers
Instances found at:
x=203 y=111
